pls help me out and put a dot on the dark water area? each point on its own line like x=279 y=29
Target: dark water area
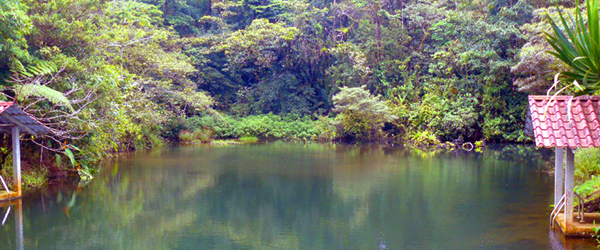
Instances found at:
x=299 y=196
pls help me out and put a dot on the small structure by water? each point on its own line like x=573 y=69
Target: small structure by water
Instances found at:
x=15 y=122
x=566 y=123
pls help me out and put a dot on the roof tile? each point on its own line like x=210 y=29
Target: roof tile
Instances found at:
x=554 y=126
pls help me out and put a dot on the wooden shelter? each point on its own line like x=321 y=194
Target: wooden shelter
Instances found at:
x=566 y=123
x=15 y=122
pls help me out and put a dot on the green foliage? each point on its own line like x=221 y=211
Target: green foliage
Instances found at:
x=291 y=57
x=15 y=24
x=535 y=69
x=424 y=139
x=577 y=46
x=266 y=97
x=587 y=164
x=248 y=139
x=33 y=178
x=265 y=127
x=460 y=54
x=596 y=230
x=112 y=75
x=71 y=157
x=40 y=68
x=257 y=44
x=360 y=115
x=183 y=15
x=589 y=187
x=275 y=127
x=450 y=119
x=56 y=97
x=106 y=76
x=199 y=135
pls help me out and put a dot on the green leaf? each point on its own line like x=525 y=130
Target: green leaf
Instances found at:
x=58 y=160
x=71 y=157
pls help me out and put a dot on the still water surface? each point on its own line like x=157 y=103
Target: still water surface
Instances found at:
x=296 y=196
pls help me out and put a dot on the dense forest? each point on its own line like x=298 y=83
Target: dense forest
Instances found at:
x=116 y=75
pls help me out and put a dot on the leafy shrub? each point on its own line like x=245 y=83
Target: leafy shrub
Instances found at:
x=35 y=177
x=173 y=127
x=360 y=115
x=186 y=136
x=424 y=139
x=198 y=135
x=279 y=94
x=204 y=135
x=268 y=127
x=587 y=164
x=449 y=119
x=589 y=187
x=326 y=131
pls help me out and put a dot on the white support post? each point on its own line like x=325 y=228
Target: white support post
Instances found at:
x=16 y=155
x=559 y=174
x=569 y=172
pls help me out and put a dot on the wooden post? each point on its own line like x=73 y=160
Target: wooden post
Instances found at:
x=16 y=155
x=559 y=174
x=569 y=172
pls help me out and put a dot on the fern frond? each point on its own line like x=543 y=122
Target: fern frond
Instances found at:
x=42 y=68
x=38 y=68
x=16 y=67
x=42 y=91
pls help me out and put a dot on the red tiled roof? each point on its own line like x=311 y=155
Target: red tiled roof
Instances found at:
x=553 y=126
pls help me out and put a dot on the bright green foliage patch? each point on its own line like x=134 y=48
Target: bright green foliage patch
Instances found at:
x=264 y=127
x=587 y=164
x=15 y=24
x=361 y=115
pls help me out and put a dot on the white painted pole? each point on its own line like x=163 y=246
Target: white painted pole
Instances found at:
x=559 y=174
x=569 y=172
x=16 y=150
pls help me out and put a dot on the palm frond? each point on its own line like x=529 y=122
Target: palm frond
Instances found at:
x=578 y=46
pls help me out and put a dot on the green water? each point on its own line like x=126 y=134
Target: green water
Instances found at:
x=295 y=196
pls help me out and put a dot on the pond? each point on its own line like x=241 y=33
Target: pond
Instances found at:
x=300 y=196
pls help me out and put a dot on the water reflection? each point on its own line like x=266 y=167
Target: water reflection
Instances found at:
x=301 y=196
x=16 y=208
